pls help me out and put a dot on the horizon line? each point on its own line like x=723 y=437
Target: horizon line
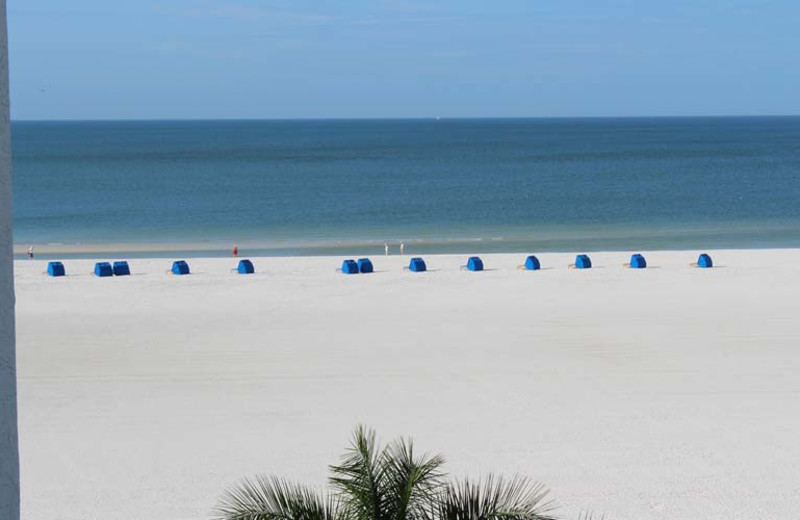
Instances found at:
x=418 y=118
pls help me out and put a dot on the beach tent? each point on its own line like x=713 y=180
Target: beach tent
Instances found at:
x=704 y=261
x=245 y=267
x=121 y=268
x=475 y=264
x=349 y=267
x=417 y=265
x=583 y=262
x=532 y=263
x=364 y=265
x=55 y=269
x=180 y=267
x=103 y=269
x=638 y=261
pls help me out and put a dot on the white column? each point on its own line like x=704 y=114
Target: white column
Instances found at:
x=9 y=451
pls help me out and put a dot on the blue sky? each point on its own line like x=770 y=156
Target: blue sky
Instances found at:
x=176 y=59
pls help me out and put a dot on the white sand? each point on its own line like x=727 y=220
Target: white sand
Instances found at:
x=664 y=393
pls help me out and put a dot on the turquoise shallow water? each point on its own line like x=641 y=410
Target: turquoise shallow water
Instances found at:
x=325 y=187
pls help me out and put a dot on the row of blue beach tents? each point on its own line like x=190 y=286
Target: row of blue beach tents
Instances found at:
x=475 y=263
x=121 y=268
x=361 y=266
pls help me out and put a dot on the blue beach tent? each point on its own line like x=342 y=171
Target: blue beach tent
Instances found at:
x=245 y=267
x=180 y=267
x=349 y=267
x=638 y=261
x=583 y=262
x=55 y=269
x=417 y=265
x=364 y=265
x=475 y=264
x=532 y=263
x=704 y=261
x=121 y=268
x=103 y=269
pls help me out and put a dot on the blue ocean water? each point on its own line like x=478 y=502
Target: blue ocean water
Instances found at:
x=295 y=187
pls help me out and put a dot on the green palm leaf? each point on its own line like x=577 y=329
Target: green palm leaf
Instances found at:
x=495 y=499
x=359 y=479
x=270 y=498
x=412 y=483
x=390 y=483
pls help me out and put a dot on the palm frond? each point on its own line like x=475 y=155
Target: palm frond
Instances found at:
x=412 y=483
x=270 y=498
x=495 y=498
x=359 y=479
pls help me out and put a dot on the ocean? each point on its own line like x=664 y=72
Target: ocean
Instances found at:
x=460 y=185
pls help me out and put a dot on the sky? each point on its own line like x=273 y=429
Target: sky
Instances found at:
x=285 y=59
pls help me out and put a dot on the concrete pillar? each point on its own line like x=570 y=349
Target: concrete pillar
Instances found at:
x=9 y=451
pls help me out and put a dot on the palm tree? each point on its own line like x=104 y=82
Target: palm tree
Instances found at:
x=389 y=483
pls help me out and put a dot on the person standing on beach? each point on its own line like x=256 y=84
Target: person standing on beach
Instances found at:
x=402 y=248
x=386 y=248
x=235 y=250
x=30 y=252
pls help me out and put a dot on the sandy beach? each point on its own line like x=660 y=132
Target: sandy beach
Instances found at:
x=664 y=393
